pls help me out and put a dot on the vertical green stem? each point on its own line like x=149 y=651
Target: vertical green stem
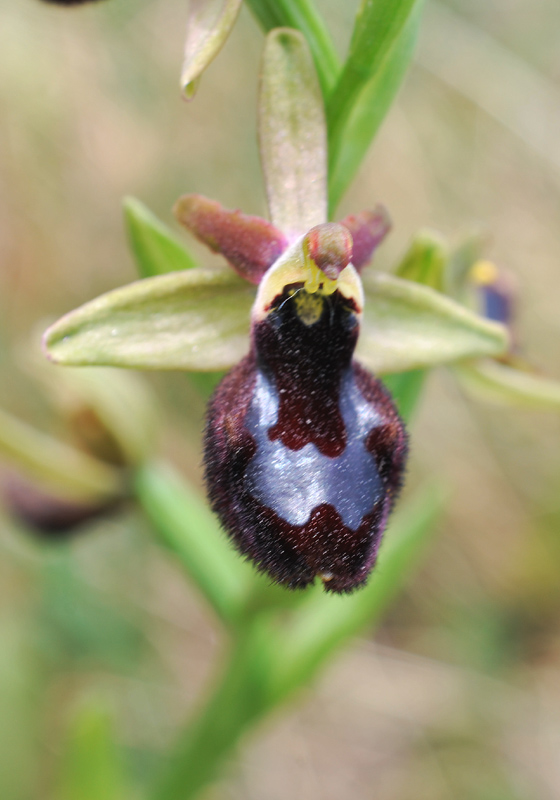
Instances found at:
x=239 y=700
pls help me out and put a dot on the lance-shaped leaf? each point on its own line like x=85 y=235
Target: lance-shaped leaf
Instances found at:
x=292 y=136
x=250 y=244
x=409 y=326
x=197 y=320
x=503 y=384
x=371 y=105
x=155 y=248
x=208 y=27
x=379 y=26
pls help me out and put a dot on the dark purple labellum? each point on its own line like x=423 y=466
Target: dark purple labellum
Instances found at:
x=305 y=450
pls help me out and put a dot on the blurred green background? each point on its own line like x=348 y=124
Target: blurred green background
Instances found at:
x=459 y=694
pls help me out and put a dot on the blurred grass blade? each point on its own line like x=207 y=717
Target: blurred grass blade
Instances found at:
x=380 y=24
x=292 y=136
x=57 y=466
x=503 y=384
x=23 y=690
x=409 y=326
x=197 y=319
x=186 y=525
x=425 y=261
x=369 y=111
x=325 y=622
x=208 y=26
x=91 y=768
x=302 y=15
x=155 y=248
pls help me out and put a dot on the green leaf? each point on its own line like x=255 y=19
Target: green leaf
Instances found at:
x=208 y=26
x=292 y=136
x=369 y=111
x=406 y=388
x=92 y=767
x=409 y=326
x=425 y=261
x=155 y=248
x=325 y=622
x=68 y=472
x=188 y=528
x=503 y=384
x=197 y=320
x=379 y=25
x=302 y=15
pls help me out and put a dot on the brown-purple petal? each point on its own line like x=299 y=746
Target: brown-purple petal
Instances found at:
x=368 y=229
x=250 y=244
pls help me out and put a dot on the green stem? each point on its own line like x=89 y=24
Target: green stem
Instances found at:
x=303 y=15
x=239 y=700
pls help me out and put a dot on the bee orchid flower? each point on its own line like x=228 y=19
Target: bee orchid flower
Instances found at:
x=304 y=448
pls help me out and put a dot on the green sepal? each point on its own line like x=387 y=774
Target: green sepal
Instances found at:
x=409 y=326
x=193 y=320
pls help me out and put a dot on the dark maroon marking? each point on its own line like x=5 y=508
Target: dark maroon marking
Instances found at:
x=387 y=442
x=292 y=554
x=368 y=229
x=304 y=365
x=307 y=364
x=250 y=244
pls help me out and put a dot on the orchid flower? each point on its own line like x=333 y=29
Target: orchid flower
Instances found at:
x=305 y=450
